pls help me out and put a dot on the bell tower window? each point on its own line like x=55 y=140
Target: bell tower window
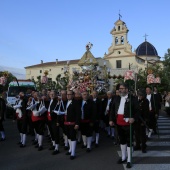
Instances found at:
x=116 y=40
x=118 y=28
x=122 y=40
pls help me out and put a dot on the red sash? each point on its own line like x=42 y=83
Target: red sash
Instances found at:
x=48 y=116
x=121 y=121
x=36 y=118
x=18 y=117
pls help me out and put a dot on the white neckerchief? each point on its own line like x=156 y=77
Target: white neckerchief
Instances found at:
x=82 y=109
x=122 y=105
x=68 y=103
x=50 y=105
x=61 y=104
x=108 y=104
x=149 y=98
x=94 y=99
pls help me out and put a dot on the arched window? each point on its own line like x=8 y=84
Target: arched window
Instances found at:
x=118 y=28
x=122 y=40
x=116 y=40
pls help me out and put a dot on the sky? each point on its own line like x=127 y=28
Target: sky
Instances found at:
x=35 y=30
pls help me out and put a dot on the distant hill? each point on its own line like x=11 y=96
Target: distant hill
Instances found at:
x=17 y=72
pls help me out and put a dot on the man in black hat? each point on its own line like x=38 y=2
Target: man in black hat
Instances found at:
x=140 y=123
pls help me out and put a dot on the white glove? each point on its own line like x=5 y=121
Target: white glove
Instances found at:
x=17 y=106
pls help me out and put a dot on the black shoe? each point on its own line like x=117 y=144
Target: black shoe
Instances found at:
x=115 y=143
x=96 y=145
x=55 y=152
x=66 y=148
x=34 y=142
x=78 y=142
x=19 y=143
x=128 y=165
x=136 y=148
x=52 y=148
x=88 y=150
x=155 y=132
x=22 y=146
x=36 y=146
x=120 y=161
x=68 y=153
x=72 y=157
x=83 y=146
x=143 y=150
x=2 y=139
x=40 y=148
x=113 y=137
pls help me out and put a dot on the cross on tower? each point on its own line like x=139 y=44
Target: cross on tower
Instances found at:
x=120 y=16
x=145 y=37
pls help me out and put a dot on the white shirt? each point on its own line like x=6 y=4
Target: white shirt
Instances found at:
x=122 y=105
x=68 y=103
x=82 y=110
x=94 y=99
x=149 y=98
x=50 y=105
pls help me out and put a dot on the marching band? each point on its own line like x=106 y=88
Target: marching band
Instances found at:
x=72 y=117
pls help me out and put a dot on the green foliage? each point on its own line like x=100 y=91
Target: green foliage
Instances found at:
x=162 y=71
x=10 y=78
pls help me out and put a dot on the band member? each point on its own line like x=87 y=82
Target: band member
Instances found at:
x=97 y=109
x=121 y=115
x=140 y=122
x=71 y=122
x=51 y=123
x=38 y=118
x=159 y=97
x=153 y=110
x=87 y=123
x=106 y=105
x=2 y=112
x=57 y=117
x=78 y=98
x=20 y=108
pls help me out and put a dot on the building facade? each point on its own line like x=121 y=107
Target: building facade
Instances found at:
x=118 y=59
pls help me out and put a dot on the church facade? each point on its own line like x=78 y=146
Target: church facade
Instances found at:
x=118 y=59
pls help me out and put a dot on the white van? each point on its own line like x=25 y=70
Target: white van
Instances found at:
x=14 y=88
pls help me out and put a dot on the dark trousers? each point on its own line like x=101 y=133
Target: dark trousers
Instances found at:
x=152 y=121
x=140 y=135
x=39 y=126
x=96 y=127
x=124 y=134
x=71 y=132
x=56 y=132
x=1 y=126
x=30 y=123
x=49 y=124
x=106 y=120
x=22 y=125
x=86 y=129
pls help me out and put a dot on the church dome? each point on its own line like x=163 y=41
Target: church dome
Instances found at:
x=146 y=48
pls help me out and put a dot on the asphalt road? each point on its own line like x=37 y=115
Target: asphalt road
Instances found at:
x=12 y=157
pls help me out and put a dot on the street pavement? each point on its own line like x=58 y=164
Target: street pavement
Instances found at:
x=12 y=157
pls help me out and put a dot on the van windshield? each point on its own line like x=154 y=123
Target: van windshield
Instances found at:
x=15 y=90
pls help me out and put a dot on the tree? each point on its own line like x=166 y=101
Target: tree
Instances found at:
x=10 y=78
x=166 y=64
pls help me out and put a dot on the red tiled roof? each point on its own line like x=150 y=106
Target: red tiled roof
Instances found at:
x=53 y=63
